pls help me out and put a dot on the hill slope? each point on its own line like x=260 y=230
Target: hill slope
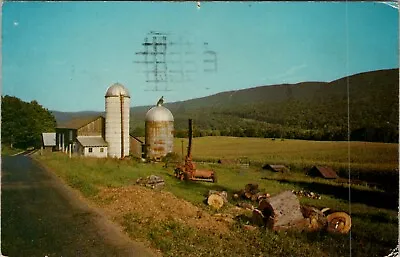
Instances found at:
x=309 y=110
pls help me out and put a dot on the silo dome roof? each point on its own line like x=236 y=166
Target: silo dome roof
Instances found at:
x=117 y=89
x=159 y=113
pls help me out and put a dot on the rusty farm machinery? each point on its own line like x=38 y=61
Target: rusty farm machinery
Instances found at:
x=188 y=170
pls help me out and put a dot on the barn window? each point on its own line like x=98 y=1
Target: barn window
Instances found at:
x=101 y=149
x=90 y=150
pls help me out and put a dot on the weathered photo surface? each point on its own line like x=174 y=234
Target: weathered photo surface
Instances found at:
x=199 y=128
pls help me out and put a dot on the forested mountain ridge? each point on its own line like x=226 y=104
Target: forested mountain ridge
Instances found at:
x=307 y=110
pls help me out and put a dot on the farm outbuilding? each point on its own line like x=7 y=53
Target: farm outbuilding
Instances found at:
x=91 y=146
x=322 y=171
x=136 y=147
x=100 y=136
x=49 y=141
x=276 y=168
x=159 y=132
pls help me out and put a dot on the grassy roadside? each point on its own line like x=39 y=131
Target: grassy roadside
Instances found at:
x=109 y=183
x=7 y=151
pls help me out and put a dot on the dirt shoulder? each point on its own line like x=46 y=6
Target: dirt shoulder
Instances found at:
x=158 y=206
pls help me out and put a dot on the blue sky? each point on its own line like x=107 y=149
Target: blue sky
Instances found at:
x=66 y=54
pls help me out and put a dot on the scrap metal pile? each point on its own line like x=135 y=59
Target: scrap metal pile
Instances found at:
x=305 y=193
x=154 y=182
x=251 y=192
x=283 y=211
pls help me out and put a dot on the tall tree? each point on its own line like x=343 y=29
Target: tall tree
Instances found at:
x=23 y=123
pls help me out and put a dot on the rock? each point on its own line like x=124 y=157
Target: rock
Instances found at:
x=282 y=211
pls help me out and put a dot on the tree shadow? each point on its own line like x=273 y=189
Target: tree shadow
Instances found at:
x=201 y=186
x=372 y=198
x=377 y=218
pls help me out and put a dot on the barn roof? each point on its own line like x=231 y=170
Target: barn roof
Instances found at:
x=49 y=139
x=88 y=141
x=326 y=172
x=79 y=122
x=276 y=168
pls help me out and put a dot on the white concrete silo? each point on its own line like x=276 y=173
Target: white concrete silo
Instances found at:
x=117 y=120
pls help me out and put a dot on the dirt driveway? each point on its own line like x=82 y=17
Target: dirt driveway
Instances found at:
x=40 y=216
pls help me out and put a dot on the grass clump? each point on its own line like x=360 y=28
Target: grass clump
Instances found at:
x=176 y=239
x=7 y=150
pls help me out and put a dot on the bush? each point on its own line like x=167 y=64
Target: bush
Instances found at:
x=171 y=158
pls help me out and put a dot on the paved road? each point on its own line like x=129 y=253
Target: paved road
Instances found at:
x=42 y=217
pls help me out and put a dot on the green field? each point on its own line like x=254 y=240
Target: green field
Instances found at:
x=373 y=211
x=363 y=155
x=372 y=162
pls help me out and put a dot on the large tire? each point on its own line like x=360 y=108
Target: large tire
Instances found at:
x=339 y=222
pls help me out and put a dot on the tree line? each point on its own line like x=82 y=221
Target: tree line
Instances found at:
x=325 y=120
x=22 y=123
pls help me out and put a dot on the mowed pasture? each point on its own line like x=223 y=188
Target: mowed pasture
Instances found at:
x=177 y=222
x=376 y=163
x=362 y=155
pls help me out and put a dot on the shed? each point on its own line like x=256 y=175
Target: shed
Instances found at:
x=137 y=147
x=322 y=171
x=92 y=146
x=49 y=141
x=276 y=168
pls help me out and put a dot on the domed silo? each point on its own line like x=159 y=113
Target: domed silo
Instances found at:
x=159 y=132
x=117 y=120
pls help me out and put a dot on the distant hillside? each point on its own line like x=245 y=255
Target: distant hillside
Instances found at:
x=63 y=117
x=309 y=110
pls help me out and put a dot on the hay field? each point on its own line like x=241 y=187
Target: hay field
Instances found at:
x=295 y=153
